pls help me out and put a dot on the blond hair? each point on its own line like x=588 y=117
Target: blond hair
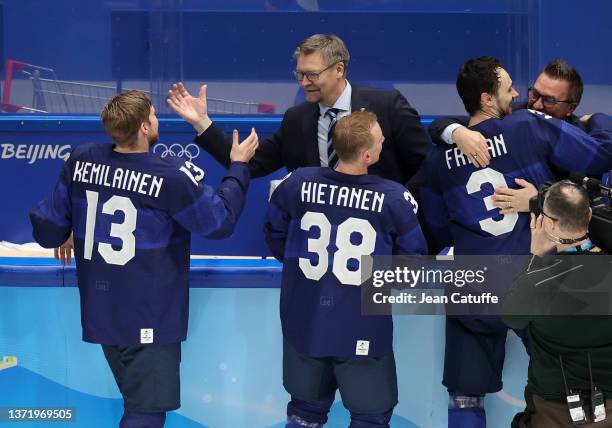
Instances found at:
x=123 y=115
x=331 y=47
x=352 y=134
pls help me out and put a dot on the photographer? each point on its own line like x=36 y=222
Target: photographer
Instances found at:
x=563 y=301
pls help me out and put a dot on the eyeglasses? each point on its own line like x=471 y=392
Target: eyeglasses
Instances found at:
x=312 y=76
x=547 y=100
x=546 y=215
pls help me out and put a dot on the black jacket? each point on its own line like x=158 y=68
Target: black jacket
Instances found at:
x=295 y=143
x=564 y=301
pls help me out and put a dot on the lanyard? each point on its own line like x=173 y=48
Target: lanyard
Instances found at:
x=584 y=248
x=567 y=390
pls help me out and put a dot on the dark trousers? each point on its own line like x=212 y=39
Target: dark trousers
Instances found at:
x=368 y=386
x=542 y=413
x=147 y=375
x=474 y=354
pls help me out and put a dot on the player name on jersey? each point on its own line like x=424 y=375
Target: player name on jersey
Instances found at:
x=118 y=178
x=497 y=147
x=343 y=196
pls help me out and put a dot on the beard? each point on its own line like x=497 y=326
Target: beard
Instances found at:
x=152 y=140
x=503 y=112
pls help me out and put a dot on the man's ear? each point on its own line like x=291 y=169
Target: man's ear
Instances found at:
x=341 y=69
x=144 y=127
x=552 y=225
x=485 y=99
x=365 y=156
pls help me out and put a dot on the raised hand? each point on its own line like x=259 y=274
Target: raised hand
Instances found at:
x=193 y=109
x=243 y=152
x=540 y=243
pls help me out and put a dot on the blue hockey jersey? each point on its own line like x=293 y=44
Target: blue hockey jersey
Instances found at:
x=456 y=196
x=132 y=215
x=320 y=223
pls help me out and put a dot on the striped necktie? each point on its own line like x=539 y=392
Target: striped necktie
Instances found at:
x=332 y=157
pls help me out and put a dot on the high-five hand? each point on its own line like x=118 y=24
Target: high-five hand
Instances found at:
x=243 y=152
x=193 y=110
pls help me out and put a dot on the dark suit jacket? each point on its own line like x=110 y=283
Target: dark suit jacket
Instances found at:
x=295 y=143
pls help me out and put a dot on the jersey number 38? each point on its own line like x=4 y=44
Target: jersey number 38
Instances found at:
x=346 y=250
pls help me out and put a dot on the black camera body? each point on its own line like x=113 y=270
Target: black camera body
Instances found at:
x=600 y=227
x=537 y=202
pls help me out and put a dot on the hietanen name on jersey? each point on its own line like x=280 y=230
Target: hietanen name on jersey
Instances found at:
x=118 y=178
x=343 y=196
x=497 y=147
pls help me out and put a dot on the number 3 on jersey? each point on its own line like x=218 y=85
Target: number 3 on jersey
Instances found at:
x=123 y=231
x=346 y=249
x=496 y=179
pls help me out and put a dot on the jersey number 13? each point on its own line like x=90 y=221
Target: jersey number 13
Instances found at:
x=123 y=231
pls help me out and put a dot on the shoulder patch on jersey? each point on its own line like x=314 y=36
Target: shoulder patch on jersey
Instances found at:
x=539 y=113
x=193 y=172
x=408 y=197
x=275 y=183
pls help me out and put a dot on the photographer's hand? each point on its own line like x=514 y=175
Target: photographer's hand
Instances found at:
x=540 y=243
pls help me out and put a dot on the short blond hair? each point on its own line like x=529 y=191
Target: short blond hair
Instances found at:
x=352 y=134
x=331 y=47
x=123 y=115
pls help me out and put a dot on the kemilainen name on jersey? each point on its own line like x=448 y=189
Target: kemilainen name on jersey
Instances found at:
x=125 y=179
x=330 y=194
x=497 y=147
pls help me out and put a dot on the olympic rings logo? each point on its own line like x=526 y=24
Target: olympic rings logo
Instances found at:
x=190 y=151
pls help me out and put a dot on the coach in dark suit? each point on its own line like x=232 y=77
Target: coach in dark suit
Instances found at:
x=304 y=137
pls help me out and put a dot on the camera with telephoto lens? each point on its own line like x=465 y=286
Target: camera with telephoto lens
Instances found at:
x=537 y=202
x=600 y=227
